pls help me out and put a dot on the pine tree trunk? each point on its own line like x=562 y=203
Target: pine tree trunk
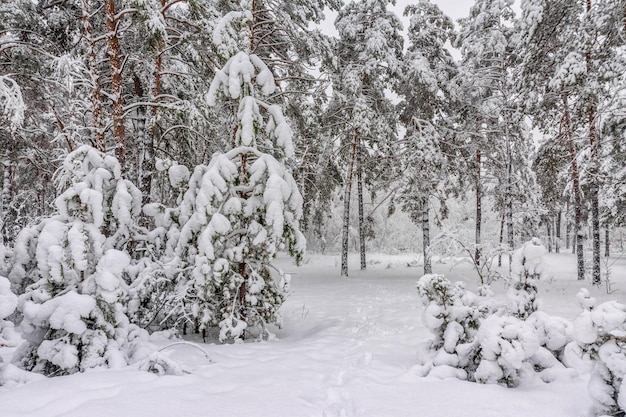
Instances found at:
x=549 y=230
x=5 y=201
x=345 y=240
x=98 y=141
x=578 y=210
x=479 y=193
x=595 y=202
x=509 y=199
x=502 y=221
x=117 y=95
x=593 y=180
x=359 y=176
x=607 y=243
x=557 y=247
x=428 y=268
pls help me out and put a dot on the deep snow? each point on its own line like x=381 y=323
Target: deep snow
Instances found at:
x=348 y=347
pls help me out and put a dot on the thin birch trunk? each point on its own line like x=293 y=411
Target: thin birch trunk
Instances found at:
x=428 y=268
x=478 y=206
x=502 y=221
x=5 y=201
x=578 y=217
x=345 y=239
x=509 y=198
x=359 y=180
x=557 y=247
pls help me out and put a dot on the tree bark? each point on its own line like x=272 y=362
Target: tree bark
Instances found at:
x=478 y=206
x=98 y=141
x=345 y=240
x=509 y=198
x=502 y=221
x=549 y=230
x=578 y=217
x=5 y=201
x=117 y=94
x=428 y=268
x=557 y=246
x=593 y=180
x=607 y=243
x=359 y=176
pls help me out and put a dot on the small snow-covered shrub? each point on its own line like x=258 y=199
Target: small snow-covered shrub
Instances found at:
x=527 y=266
x=506 y=344
x=8 y=303
x=473 y=341
x=601 y=332
x=454 y=315
x=74 y=273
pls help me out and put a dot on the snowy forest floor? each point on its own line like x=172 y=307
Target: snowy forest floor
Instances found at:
x=347 y=348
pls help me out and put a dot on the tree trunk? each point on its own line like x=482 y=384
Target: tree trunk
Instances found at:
x=428 y=268
x=578 y=217
x=509 y=198
x=593 y=180
x=345 y=240
x=117 y=95
x=549 y=230
x=478 y=206
x=502 y=221
x=359 y=176
x=607 y=243
x=98 y=141
x=557 y=246
x=5 y=202
x=594 y=197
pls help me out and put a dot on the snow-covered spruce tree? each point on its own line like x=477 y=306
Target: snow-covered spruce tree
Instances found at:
x=527 y=266
x=454 y=315
x=73 y=312
x=244 y=206
x=600 y=331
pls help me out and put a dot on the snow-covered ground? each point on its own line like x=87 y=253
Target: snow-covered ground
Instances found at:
x=348 y=347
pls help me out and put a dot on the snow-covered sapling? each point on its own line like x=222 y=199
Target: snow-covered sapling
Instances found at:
x=527 y=266
x=454 y=315
x=73 y=313
x=8 y=303
x=601 y=331
x=245 y=206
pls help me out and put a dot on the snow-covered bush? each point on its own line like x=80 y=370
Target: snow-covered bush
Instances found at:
x=506 y=344
x=474 y=339
x=454 y=315
x=601 y=332
x=527 y=266
x=74 y=273
x=8 y=303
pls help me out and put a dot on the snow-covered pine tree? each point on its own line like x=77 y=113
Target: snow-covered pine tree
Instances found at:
x=428 y=69
x=244 y=206
x=73 y=312
x=368 y=58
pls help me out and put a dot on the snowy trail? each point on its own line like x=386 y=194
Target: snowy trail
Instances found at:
x=346 y=349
